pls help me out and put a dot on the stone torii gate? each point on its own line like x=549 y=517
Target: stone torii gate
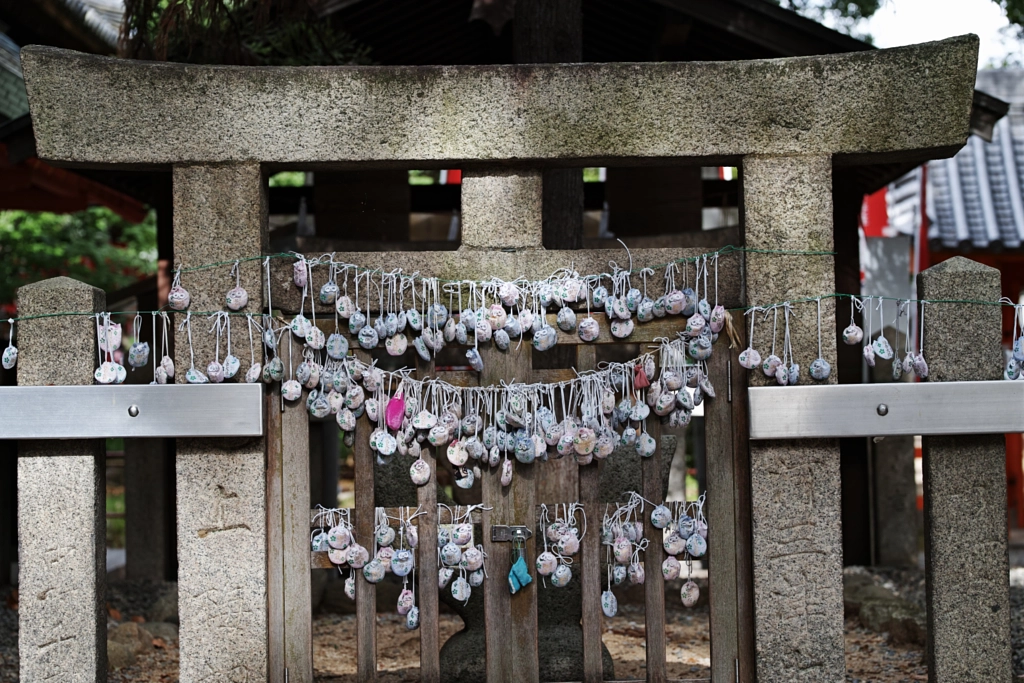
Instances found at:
x=222 y=129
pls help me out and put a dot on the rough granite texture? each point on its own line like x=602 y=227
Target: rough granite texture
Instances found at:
x=220 y=214
x=795 y=485
x=957 y=352
x=222 y=561
x=60 y=350
x=501 y=210
x=965 y=507
x=62 y=576
x=885 y=103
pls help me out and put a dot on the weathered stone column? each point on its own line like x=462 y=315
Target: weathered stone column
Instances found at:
x=220 y=214
x=896 y=516
x=502 y=209
x=965 y=487
x=148 y=502
x=62 y=524
x=795 y=485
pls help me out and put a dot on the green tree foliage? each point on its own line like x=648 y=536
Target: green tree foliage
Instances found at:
x=248 y=32
x=95 y=246
x=1014 y=13
x=844 y=15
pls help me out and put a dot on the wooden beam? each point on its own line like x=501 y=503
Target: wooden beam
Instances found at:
x=529 y=263
x=784 y=32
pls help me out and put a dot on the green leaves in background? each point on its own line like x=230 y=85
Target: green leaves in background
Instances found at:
x=95 y=246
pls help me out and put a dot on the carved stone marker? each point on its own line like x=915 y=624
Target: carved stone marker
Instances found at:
x=967 y=580
x=62 y=622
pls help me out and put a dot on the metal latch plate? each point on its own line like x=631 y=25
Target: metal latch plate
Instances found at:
x=506 y=534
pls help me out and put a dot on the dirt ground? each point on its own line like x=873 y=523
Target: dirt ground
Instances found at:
x=869 y=657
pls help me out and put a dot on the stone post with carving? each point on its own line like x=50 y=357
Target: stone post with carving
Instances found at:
x=62 y=623
x=967 y=578
x=219 y=214
x=795 y=485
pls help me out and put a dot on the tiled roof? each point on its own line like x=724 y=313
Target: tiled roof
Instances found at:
x=13 y=100
x=102 y=17
x=974 y=199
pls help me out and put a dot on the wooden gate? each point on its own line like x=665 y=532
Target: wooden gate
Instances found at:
x=511 y=621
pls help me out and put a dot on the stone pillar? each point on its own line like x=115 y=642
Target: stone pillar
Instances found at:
x=795 y=484
x=501 y=210
x=965 y=487
x=896 y=516
x=219 y=214
x=148 y=512
x=61 y=500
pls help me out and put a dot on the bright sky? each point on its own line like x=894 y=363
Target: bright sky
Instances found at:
x=902 y=22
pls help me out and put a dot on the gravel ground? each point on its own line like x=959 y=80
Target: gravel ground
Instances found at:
x=909 y=584
x=869 y=656
x=1017 y=619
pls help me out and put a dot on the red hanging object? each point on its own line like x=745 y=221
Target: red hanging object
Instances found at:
x=640 y=380
x=395 y=411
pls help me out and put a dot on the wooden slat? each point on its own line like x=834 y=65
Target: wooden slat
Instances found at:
x=654 y=585
x=298 y=614
x=366 y=592
x=721 y=514
x=275 y=536
x=510 y=620
x=476 y=517
x=485 y=264
x=556 y=374
x=744 y=529
x=590 y=550
x=426 y=562
x=643 y=333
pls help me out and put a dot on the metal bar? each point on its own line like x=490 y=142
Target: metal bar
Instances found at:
x=102 y=411
x=933 y=408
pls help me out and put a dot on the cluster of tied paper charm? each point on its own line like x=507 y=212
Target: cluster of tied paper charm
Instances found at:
x=786 y=370
x=336 y=536
x=585 y=418
x=564 y=536
x=457 y=556
x=1015 y=362
x=684 y=533
x=498 y=311
x=495 y=311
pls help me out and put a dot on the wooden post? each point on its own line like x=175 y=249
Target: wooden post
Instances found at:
x=721 y=514
x=366 y=592
x=511 y=620
x=290 y=624
x=590 y=550
x=426 y=561
x=654 y=584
